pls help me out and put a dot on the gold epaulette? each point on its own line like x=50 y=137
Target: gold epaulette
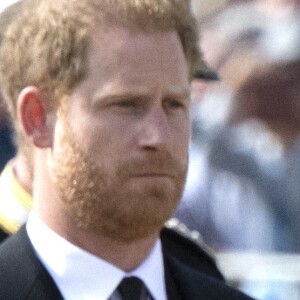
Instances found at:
x=15 y=202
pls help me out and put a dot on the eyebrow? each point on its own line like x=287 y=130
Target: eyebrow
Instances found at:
x=140 y=93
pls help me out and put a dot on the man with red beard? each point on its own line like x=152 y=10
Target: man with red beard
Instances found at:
x=99 y=91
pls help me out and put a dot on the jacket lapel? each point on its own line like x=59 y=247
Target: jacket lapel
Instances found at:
x=26 y=277
x=187 y=283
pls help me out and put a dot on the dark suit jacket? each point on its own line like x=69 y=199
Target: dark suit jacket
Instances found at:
x=3 y=235
x=23 y=276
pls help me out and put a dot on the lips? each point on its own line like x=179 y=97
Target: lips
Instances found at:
x=159 y=175
x=145 y=173
x=153 y=166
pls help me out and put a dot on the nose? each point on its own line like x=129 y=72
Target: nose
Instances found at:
x=155 y=129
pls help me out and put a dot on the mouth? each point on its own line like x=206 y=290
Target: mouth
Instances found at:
x=153 y=175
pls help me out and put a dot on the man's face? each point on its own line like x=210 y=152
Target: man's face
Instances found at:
x=121 y=148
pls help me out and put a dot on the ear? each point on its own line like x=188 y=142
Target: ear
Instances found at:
x=33 y=117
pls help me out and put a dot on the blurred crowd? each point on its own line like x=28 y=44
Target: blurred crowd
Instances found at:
x=242 y=181
x=243 y=186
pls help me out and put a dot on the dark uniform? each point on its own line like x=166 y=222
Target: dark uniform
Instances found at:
x=24 y=277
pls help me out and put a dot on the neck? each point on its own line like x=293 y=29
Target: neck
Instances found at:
x=124 y=255
x=22 y=172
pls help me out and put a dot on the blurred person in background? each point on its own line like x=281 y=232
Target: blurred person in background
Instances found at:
x=7 y=148
x=15 y=179
x=260 y=135
x=266 y=107
x=244 y=193
x=213 y=197
x=243 y=161
x=269 y=96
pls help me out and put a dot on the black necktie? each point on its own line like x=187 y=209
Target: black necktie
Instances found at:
x=130 y=288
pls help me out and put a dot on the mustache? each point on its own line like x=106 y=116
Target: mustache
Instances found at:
x=162 y=163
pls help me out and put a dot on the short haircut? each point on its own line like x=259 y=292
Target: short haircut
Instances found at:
x=8 y=15
x=47 y=44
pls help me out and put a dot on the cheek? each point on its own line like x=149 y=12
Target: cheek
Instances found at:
x=107 y=145
x=181 y=137
x=94 y=134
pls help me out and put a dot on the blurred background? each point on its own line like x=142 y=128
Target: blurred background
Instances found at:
x=243 y=186
x=7 y=148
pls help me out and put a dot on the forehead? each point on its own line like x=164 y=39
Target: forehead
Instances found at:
x=134 y=55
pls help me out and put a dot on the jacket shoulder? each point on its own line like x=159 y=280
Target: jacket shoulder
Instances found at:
x=22 y=274
x=189 y=248
x=3 y=235
x=194 y=285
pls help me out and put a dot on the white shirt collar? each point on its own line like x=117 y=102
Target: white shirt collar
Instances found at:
x=80 y=275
